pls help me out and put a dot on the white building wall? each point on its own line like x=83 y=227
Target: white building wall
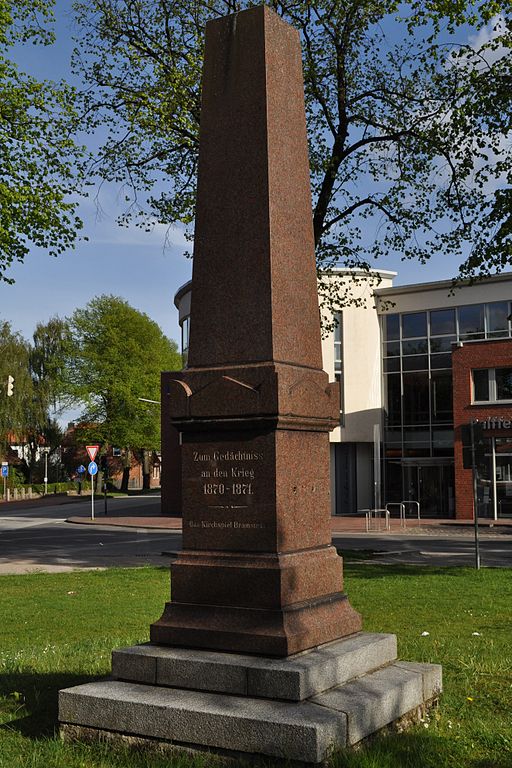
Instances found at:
x=361 y=363
x=415 y=298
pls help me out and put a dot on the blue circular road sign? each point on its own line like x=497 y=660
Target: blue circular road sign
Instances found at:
x=80 y=469
x=92 y=468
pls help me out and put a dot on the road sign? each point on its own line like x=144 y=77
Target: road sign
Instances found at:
x=5 y=470
x=92 y=450
x=92 y=468
x=81 y=469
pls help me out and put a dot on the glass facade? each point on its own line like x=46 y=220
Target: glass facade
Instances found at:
x=418 y=434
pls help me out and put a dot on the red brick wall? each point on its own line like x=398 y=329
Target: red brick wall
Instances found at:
x=482 y=354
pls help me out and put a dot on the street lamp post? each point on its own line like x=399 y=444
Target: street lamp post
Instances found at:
x=46 y=451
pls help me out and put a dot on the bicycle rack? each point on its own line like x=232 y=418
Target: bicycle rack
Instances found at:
x=401 y=509
x=374 y=516
x=417 y=504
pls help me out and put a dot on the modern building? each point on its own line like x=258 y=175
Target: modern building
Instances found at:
x=417 y=364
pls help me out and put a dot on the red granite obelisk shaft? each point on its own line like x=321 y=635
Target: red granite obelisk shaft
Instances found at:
x=257 y=573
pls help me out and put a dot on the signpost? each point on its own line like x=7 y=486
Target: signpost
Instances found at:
x=92 y=470
x=5 y=472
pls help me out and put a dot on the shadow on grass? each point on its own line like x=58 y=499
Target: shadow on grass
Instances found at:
x=30 y=700
x=370 y=569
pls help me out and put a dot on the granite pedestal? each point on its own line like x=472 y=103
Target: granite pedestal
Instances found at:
x=298 y=708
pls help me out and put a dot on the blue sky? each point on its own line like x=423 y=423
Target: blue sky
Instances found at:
x=125 y=262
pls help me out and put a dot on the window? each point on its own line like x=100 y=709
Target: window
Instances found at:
x=442 y=322
x=441 y=394
x=185 y=337
x=503 y=377
x=481 y=384
x=497 y=315
x=416 y=400
x=338 y=360
x=394 y=399
x=492 y=385
x=414 y=325
x=471 y=322
x=392 y=327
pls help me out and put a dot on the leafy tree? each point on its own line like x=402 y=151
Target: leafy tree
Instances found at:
x=114 y=357
x=14 y=361
x=25 y=417
x=408 y=119
x=38 y=157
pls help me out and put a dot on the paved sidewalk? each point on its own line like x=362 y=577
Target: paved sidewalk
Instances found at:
x=340 y=524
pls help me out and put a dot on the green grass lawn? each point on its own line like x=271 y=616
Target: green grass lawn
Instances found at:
x=57 y=630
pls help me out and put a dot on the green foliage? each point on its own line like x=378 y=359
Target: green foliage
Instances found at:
x=25 y=417
x=14 y=361
x=39 y=159
x=408 y=109
x=114 y=356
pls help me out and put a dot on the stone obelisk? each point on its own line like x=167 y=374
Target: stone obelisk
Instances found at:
x=257 y=573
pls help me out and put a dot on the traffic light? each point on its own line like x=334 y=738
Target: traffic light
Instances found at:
x=104 y=464
x=10 y=388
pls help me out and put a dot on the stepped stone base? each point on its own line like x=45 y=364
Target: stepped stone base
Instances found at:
x=297 y=708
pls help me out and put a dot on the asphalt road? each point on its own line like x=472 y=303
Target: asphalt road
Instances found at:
x=39 y=539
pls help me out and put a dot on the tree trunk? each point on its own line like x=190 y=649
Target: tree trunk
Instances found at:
x=146 y=478
x=126 y=470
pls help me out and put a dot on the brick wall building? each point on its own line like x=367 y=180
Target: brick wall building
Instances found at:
x=482 y=393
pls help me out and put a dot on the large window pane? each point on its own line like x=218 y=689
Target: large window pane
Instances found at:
x=391 y=327
x=415 y=347
x=443 y=344
x=414 y=324
x=394 y=399
x=440 y=361
x=392 y=349
x=504 y=383
x=442 y=442
x=415 y=363
x=497 y=318
x=471 y=319
x=481 y=384
x=442 y=321
x=391 y=364
x=416 y=398
x=442 y=397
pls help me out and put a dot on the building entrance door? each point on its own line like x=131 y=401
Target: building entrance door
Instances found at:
x=433 y=486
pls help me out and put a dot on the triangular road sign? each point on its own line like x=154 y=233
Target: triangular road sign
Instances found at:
x=92 y=450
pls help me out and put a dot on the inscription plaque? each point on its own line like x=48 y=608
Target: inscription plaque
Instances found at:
x=226 y=494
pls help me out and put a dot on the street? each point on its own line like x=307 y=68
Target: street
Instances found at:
x=38 y=538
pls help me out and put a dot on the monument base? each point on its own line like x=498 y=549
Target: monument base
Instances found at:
x=297 y=708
